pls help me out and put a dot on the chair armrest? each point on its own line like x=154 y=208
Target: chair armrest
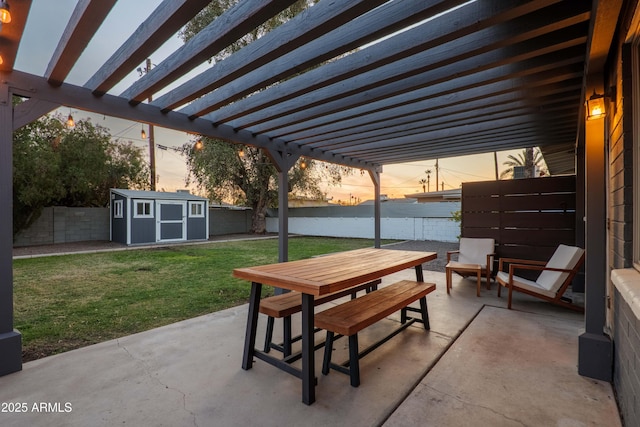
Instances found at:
x=514 y=267
x=518 y=261
x=449 y=253
x=489 y=261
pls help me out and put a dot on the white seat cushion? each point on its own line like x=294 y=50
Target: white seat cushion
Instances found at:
x=520 y=282
x=565 y=257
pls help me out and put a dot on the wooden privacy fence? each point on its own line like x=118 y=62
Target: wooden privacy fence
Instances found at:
x=528 y=218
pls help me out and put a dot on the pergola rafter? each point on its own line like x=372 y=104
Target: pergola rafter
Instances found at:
x=168 y=18
x=279 y=92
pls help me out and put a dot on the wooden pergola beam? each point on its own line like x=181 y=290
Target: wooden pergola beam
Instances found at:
x=289 y=49
x=168 y=18
x=373 y=86
x=30 y=86
x=222 y=32
x=86 y=18
x=378 y=120
x=443 y=134
x=421 y=126
x=414 y=46
x=11 y=33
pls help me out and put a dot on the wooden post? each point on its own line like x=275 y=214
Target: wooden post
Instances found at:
x=375 y=177
x=595 y=349
x=10 y=339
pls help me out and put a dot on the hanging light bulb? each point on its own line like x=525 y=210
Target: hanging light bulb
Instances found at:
x=70 y=122
x=303 y=164
x=241 y=153
x=143 y=134
x=198 y=145
x=5 y=15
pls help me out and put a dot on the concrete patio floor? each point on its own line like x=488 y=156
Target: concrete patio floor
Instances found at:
x=480 y=365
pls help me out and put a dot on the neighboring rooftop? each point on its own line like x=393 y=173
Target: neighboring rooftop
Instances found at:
x=437 y=196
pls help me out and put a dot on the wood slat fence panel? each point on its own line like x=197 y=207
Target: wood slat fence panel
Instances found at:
x=528 y=218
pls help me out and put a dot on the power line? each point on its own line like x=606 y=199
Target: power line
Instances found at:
x=165 y=148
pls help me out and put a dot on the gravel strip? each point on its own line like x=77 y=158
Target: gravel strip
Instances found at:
x=429 y=246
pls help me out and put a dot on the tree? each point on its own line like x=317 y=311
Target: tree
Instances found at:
x=251 y=179
x=530 y=158
x=56 y=166
x=246 y=176
x=428 y=172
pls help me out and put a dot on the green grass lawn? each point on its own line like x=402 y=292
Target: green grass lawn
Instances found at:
x=66 y=302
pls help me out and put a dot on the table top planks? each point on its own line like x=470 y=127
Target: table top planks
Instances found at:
x=334 y=272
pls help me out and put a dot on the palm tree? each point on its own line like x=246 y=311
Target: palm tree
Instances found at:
x=423 y=182
x=428 y=172
x=530 y=158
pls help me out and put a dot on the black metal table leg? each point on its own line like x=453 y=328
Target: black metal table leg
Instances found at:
x=252 y=326
x=308 y=363
x=287 y=336
x=268 y=336
x=419 y=275
x=354 y=361
x=425 y=313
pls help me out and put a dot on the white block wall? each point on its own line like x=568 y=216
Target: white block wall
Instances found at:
x=438 y=229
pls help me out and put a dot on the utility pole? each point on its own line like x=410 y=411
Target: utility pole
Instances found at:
x=152 y=147
x=437 y=180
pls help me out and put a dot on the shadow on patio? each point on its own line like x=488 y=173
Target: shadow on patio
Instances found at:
x=480 y=364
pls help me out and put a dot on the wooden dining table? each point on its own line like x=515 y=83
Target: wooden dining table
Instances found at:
x=315 y=277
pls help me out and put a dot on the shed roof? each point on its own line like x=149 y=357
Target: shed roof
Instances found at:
x=157 y=195
x=362 y=83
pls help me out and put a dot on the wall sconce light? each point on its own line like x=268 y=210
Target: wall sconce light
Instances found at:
x=70 y=122
x=5 y=15
x=198 y=145
x=596 y=107
x=143 y=134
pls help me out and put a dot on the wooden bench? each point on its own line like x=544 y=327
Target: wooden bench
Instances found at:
x=351 y=317
x=285 y=305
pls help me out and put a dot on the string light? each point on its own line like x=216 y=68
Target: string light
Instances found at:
x=70 y=122
x=5 y=15
x=198 y=145
x=241 y=153
x=303 y=164
x=143 y=134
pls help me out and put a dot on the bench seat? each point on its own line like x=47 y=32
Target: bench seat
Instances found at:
x=284 y=305
x=290 y=303
x=351 y=317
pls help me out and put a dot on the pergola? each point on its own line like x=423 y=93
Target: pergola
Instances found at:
x=340 y=83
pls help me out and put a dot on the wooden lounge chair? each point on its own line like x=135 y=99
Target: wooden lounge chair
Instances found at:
x=555 y=277
x=475 y=258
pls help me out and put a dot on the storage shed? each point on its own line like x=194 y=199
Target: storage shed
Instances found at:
x=143 y=217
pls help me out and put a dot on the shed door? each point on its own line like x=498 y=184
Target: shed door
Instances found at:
x=171 y=223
